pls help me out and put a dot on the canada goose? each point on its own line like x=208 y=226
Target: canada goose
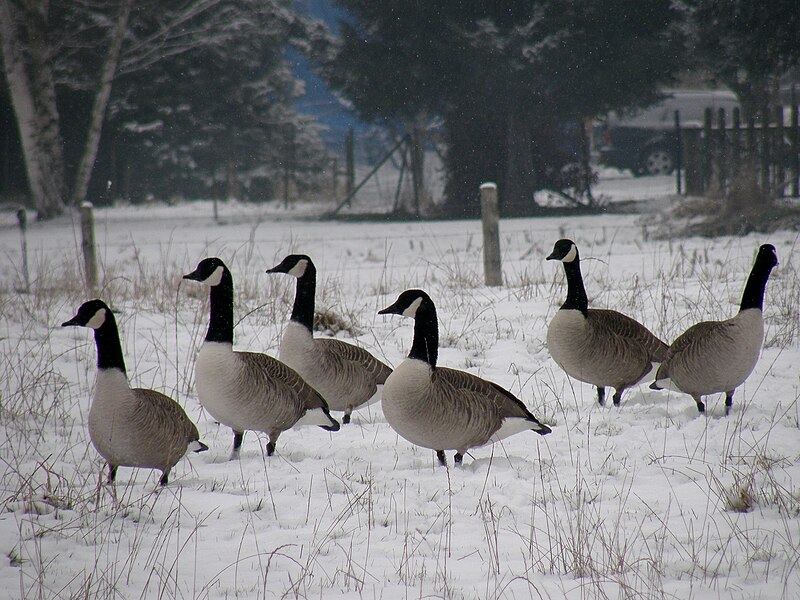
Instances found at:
x=248 y=390
x=445 y=409
x=598 y=346
x=347 y=376
x=130 y=427
x=717 y=356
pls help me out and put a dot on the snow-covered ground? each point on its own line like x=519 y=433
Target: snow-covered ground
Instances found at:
x=649 y=500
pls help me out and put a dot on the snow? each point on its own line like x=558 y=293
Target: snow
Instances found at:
x=636 y=501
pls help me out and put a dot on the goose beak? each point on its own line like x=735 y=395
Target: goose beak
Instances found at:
x=276 y=269
x=553 y=256
x=194 y=276
x=390 y=310
x=73 y=322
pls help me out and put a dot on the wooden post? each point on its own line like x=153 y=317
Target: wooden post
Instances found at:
x=492 y=270
x=795 y=162
x=765 y=151
x=349 y=164
x=721 y=155
x=678 y=153
x=693 y=172
x=708 y=150
x=780 y=171
x=87 y=244
x=736 y=141
x=335 y=178
x=22 y=219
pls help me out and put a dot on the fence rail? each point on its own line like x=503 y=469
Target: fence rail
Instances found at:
x=767 y=150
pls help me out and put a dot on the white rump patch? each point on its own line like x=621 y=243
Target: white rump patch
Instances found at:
x=571 y=255
x=194 y=446
x=510 y=427
x=666 y=384
x=299 y=269
x=96 y=322
x=215 y=278
x=411 y=311
x=315 y=416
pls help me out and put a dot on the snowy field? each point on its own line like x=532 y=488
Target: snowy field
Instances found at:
x=649 y=500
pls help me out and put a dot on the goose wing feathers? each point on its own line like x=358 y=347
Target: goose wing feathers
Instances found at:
x=355 y=359
x=499 y=399
x=277 y=380
x=701 y=359
x=163 y=429
x=627 y=327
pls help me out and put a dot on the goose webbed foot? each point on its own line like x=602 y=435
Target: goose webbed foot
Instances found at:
x=442 y=458
x=601 y=395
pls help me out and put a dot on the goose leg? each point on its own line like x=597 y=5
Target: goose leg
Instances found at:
x=273 y=440
x=601 y=395
x=442 y=458
x=346 y=417
x=700 y=406
x=238 y=436
x=458 y=458
x=618 y=396
x=728 y=402
x=164 y=478
x=112 y=473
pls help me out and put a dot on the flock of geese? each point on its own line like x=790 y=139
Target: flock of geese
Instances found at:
x=431 y=406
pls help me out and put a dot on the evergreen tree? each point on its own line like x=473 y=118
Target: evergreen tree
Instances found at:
x=510 y=79
x=746 y=46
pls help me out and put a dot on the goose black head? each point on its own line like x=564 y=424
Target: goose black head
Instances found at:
x=564 y=250
x=408 y=303
x=209 y=271
x=767 y=256
x=295 y=265
x=91 y=314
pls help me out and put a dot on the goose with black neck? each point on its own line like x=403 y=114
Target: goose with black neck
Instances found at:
x=131 y=427
x=446 y=409
x=248 y=390
x=347 y=376
x=718 y=356
x=598 y=346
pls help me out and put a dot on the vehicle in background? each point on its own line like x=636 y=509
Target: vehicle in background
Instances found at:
x=646 y=142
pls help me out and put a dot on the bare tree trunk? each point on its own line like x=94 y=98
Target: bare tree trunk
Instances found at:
x=84 y=173
x=32 y=91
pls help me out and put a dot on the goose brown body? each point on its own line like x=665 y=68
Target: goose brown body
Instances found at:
x=718 y=356
x=137 y=427
x=598 y=346
x=248 y=390
x=346 y=375
x=446 y=409
x=131 y=427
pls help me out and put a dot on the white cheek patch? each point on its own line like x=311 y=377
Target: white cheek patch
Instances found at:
x=299 y=269
x=96 y=322
x=571 y=255
x=411 y=311
x=215 y=278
